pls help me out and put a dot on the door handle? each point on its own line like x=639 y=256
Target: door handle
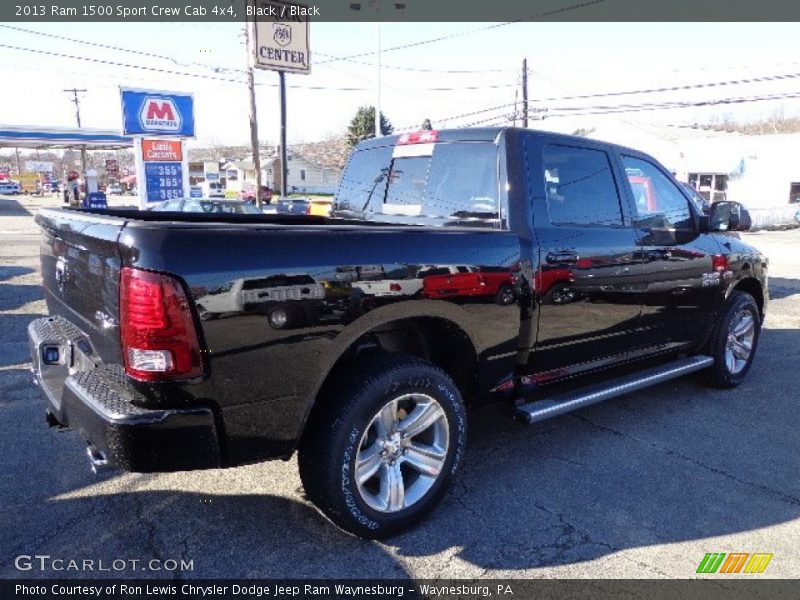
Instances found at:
x=560 y=257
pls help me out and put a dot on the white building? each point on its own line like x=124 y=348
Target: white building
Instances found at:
x=236 y=172
x=308 y=172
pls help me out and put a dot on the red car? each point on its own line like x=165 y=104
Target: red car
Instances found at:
x=448 y=282
x=248 y=194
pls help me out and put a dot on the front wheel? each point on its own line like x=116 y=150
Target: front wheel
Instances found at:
x=733 y=341
x=384 y=445
x=203 y=313
x=505 y=296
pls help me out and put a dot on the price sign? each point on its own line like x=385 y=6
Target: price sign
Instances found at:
x=164 y=180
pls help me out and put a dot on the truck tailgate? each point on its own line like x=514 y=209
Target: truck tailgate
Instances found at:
x=80 y=265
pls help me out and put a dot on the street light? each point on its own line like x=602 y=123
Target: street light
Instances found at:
x=376 y=4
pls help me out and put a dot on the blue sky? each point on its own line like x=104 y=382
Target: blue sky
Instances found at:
x=565 y=59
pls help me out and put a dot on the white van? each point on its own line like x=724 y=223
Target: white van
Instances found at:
x=213 y=189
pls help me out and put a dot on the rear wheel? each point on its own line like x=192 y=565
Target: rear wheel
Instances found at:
x=734 y=340
x=383 y=448
x=286 y=317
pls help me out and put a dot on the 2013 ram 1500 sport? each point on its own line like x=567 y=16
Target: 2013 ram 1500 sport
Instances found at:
x=186 y=341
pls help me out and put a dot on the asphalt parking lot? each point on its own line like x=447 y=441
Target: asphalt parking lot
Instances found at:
x=642 y=486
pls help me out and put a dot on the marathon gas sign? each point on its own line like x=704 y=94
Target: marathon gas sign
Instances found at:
x=157 y=113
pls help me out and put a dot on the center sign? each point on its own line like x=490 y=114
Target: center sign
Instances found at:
x=281 y=35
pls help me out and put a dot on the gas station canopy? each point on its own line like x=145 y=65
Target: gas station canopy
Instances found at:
x=62 y=138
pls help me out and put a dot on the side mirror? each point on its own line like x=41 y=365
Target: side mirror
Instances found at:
x=727 y=216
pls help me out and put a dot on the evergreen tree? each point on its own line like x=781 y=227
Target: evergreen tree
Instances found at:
x=362 y=126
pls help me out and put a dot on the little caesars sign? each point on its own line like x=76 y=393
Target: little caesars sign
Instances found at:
x=281 y=35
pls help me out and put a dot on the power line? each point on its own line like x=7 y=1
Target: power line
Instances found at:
x=218 y=69
x=685 y=87
x=418 y=43
x=441 y=38
x=604 y=109
x=650 y=106
x=120 y=49
x=676 y=88
x=118 y=64
x=231 y=80
x=412 y=69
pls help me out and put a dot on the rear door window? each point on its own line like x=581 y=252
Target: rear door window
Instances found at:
x=580 y=187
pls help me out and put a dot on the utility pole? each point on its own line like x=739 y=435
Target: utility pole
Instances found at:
x=76 y=100
x=284 y=167
x=251 y=87
x=378 y=131
x=525 y=93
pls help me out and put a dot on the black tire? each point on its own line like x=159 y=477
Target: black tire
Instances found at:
x=721 y=375
x=286 y=317
x=559 y=293
x=505 y=296
x=335 y=433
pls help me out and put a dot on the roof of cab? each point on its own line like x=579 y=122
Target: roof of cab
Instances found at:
x=474 y=134
x=489 y=134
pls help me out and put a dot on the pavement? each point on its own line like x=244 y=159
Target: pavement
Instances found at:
x=638 y=487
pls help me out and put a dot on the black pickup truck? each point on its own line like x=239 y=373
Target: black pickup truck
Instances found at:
x=540 y=271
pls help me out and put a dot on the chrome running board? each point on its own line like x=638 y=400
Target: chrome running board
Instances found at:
x=560 y=404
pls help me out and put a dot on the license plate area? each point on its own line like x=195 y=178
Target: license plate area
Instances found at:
x=58 y=349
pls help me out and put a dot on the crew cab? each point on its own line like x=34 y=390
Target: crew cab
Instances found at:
x=608 y=295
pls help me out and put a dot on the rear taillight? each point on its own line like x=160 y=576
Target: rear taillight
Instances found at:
x=395 y=287
x=719 y=262
x=159 y=341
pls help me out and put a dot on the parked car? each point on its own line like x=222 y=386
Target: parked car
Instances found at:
x=205 y=205
x=320 y=207
x=113 y=189
x=10 y=188
x=469 y=282
x=248 y=194
x=371 y=395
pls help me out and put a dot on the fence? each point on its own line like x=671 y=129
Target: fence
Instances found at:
x=774 y=218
